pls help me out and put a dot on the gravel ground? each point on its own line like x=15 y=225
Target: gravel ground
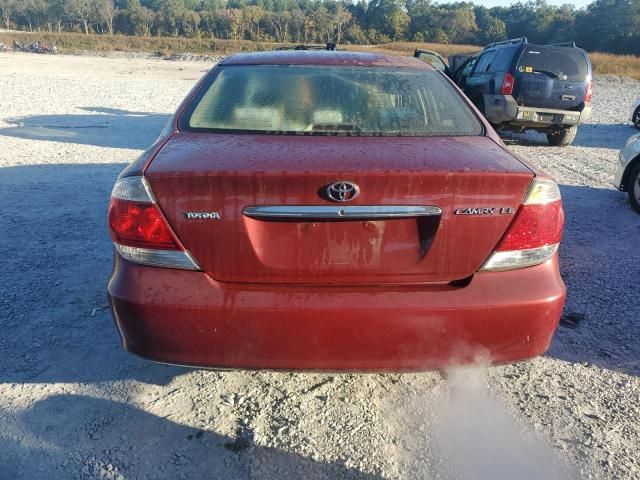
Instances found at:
x=74 y=405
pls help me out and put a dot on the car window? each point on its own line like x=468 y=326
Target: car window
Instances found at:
x=326 y=100
x=502 y=61
x=466 y=69
x=484 y=62
x=562 y=64
x=434 y=60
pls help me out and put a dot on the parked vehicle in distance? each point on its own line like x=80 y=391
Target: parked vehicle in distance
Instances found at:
x=635 y=113
x=627 y=177
x=522 y=86
x=321 y=210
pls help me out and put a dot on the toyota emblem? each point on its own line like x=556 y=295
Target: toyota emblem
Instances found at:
x=342 y=191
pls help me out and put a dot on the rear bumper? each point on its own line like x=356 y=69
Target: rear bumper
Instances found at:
x=184 y=317
x=502 y=109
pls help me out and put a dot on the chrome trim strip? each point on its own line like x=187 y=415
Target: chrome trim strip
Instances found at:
x=354 y=212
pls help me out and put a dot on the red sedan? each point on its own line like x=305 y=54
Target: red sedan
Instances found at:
x=333 y=211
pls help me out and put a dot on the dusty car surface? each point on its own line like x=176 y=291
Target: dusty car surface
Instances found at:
x=333 y=210
x=627 y=176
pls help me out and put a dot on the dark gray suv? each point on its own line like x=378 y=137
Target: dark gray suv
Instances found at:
x=522 y=86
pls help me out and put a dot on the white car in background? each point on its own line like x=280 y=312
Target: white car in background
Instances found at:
x=627 y=177
x=635 y=113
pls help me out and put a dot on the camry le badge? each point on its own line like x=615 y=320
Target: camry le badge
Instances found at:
x=202 y=215
x=485 y=211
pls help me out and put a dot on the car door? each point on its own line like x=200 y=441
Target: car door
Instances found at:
x=434 y=59
x=480 y=81
x=462 y=73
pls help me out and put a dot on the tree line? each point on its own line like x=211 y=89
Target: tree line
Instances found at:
x=604 y=25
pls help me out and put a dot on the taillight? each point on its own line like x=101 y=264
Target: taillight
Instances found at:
x=139 y=231
x=138 y=224
x=536 y=230
x=588 y=93
x=508 y=83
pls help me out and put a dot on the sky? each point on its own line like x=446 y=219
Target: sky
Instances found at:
x=505 y=3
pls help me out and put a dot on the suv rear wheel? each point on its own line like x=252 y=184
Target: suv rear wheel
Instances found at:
x=633 y=188
x=562 y=137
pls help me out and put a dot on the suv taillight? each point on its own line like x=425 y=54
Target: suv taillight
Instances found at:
x=139 y=231
x=588 y=93
x=534 y=235
x=508 y=83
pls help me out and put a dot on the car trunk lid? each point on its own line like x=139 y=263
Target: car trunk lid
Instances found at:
x=210 y=185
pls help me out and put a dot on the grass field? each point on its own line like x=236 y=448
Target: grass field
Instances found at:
x=623 y=65
x=163 y=46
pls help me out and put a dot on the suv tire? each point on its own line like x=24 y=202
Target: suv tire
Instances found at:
x=633 y=188
x=636 y=118
x=563 y=137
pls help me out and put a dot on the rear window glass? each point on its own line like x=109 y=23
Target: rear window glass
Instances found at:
x=328 y=100
x=565 y=64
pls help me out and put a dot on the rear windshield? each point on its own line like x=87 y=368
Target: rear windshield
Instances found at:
x=330 y=100
x=561 y=64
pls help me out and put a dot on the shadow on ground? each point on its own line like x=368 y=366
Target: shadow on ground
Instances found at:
x=103 y=127
x=599 y=224
x=55 y=443
x=600 y=135
x=57 y=261
x=593 y=135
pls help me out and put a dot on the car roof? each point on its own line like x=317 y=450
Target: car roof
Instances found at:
x=324 y=57
x=523 y=45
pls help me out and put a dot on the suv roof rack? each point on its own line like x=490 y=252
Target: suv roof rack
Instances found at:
x=562 y=44
x=329 y=46
x=511 y=41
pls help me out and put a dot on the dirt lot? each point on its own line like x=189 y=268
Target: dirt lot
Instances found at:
x=74 y=405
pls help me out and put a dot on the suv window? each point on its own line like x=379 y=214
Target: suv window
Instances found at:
x=502 y=61
x=329 y=100
x=484 y=62
x=562 y=64
x=466 y=70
